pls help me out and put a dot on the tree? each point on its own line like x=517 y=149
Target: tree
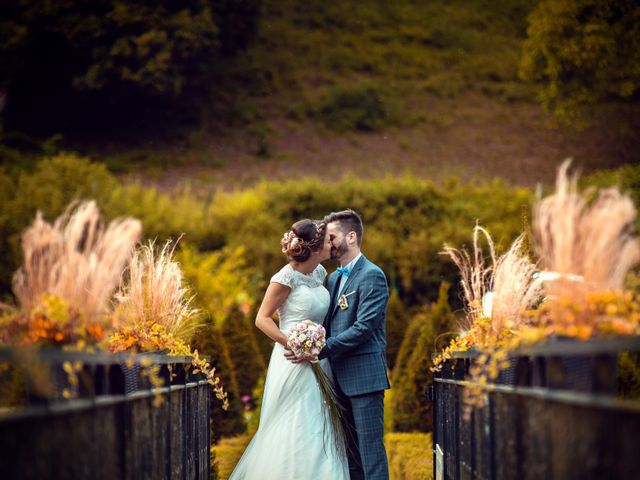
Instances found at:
x=155 y=45
x=582 y=52
x=53 y=55
x=411 y=409
x=238 y=21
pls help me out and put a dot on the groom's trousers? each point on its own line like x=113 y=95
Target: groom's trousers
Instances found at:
x=365 y=435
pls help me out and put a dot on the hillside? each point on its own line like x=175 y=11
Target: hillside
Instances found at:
x=329 y=88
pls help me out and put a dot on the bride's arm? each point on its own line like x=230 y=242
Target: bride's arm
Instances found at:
x=274 y=297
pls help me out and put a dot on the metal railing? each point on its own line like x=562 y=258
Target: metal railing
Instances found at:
x=111 y=429
x=563 y=410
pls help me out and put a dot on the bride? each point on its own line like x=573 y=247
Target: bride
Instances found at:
x=295 y=436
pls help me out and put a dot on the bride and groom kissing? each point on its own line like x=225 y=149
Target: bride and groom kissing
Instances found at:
x=290 y=442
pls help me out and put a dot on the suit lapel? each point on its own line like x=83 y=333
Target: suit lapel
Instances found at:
x=350 y=279
x=332 y=301
x=333 y=289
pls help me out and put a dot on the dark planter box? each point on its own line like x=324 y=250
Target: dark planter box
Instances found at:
x=562 y=410
x=112 y=428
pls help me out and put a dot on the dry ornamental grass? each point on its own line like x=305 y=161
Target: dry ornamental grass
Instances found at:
x=586 y=240
x=154 y=291
x=76 y=258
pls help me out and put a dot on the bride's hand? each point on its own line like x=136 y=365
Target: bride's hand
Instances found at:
x=289 y=355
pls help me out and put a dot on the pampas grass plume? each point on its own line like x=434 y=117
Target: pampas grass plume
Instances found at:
x=153 y=290
x=514 y=288
x=476 y=276
x=76 y=258
x=591 y=240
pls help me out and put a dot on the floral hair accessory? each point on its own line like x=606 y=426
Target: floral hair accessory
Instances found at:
x=292 y=244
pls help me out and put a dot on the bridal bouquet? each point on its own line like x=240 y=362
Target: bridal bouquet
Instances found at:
x=306 y=339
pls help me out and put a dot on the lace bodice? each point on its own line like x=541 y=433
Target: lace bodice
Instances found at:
x=308 y=300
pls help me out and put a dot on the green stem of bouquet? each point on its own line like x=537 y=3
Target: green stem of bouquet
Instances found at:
x=334 y=409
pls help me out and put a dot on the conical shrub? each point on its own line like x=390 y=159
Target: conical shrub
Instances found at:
x=411 y=408
x=209 y=343
x=397 y=320
x=239 y=335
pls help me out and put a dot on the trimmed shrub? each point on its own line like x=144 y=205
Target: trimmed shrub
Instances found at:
x=180 y=213
x=411 y=409
x=256 y=398
x=410 y=456
x=209 y=343
x=254 y=219
x=247 y=362
x=628 y=373
x=222 y=279
x=396 y=325
x=214 y=465
x=228 y=453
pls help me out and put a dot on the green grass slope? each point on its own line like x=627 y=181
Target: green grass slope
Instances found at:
x=331 y=87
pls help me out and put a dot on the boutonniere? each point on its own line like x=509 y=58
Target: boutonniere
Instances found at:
x=342 y=301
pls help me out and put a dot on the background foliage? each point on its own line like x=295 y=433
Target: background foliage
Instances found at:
x=582 y=52
x=229 y=249
x=71 y=59
x=145 y=73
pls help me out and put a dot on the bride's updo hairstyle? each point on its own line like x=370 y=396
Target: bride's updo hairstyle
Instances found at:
x=305 y=236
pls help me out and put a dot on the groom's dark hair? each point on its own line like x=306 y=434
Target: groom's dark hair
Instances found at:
x=349 y=221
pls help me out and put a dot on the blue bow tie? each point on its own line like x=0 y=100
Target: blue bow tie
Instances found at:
x=344 y=271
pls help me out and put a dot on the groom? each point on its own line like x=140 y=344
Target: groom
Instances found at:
x=356 y=344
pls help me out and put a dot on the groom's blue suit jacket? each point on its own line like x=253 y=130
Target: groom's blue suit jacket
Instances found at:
x=357 y=340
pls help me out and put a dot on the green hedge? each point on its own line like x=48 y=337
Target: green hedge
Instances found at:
x=407 y=220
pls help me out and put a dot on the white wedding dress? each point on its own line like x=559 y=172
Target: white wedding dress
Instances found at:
x=295 y=438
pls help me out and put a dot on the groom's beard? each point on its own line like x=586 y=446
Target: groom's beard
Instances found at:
x=339 y=251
